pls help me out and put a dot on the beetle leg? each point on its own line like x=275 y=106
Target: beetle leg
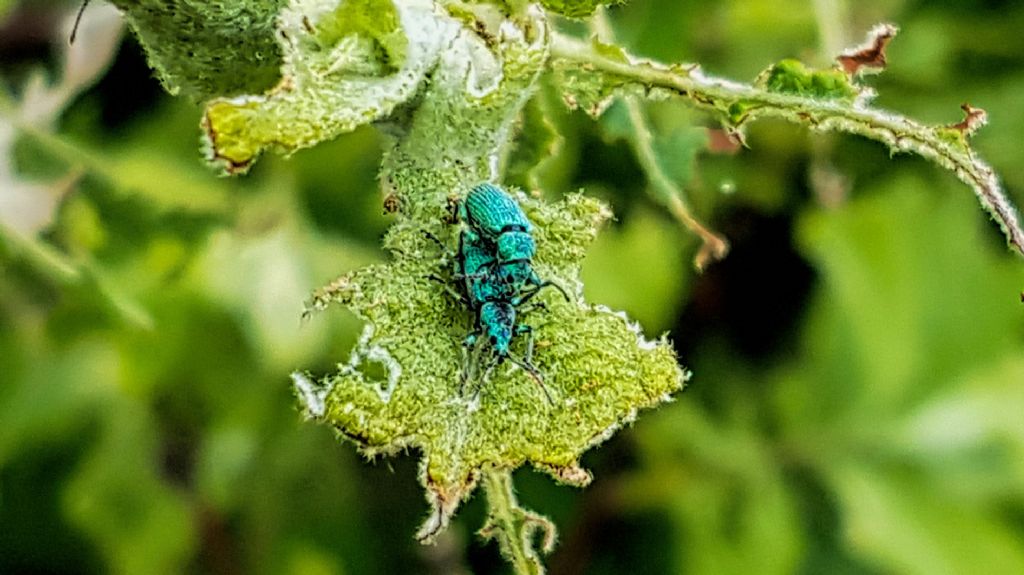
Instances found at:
x=447 y=288
x=444 y=247
x=527 y=362
x=521 y=329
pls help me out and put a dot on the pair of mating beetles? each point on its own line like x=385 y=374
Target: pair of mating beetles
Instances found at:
x=494 y=266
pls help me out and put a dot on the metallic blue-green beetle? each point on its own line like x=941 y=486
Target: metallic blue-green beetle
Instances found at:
x=495 y=219
x=492 y=212
x=476 y=263
x=494 y=266
x=495 y=316
x=497 y=321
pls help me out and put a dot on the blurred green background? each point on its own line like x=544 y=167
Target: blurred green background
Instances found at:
x=858 y=398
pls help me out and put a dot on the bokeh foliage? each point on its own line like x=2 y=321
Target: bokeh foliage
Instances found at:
x=858 y=374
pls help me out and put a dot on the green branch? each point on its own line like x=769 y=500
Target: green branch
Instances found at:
x=714 y=247
x=513 y=527
x=739 y=103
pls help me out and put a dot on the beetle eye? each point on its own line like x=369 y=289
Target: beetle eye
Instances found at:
x=494 y=340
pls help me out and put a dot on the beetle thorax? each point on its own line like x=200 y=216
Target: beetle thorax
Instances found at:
x=515 y=245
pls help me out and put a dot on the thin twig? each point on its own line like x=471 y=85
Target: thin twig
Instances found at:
x=832 y=115
x=714 y=247
x=514 y=527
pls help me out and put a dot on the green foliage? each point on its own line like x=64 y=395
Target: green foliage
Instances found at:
x=806 y=98
x=190 y=43
x=149 y=311
x=793 y=77
x=416 y=402
x=537 y=140
x=675 y=141
x=365 y=19
x=883 y=404
x=652 y=294
x=343 y=68
x=138 y=521
x=576 y=8
x=585 y=90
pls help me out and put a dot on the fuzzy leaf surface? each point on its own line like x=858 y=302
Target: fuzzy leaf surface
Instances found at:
x=597 y=366
x=576 y=8
x=203 y=49
x=344 y=65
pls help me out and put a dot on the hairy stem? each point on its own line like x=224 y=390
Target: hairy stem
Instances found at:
x=899 y=133
x=514 y=527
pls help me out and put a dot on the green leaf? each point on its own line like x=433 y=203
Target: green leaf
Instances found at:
x=723 y=488
x=343 y=67
x=140 y=524
x=203 y=49
x=227 y=458
x=904 y=525
x=903 y=329
x=677 y=152
x=537 y=141
x=793 y=77
x=971 y=437
x=822 y=99
x=49 y=401
x=587 y=90
x=400 y=388
x=895 y=403
x=674 y=140
x=375 y=20
x=651 y=294
x=577 y=8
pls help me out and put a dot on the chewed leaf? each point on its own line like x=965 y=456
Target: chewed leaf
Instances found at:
x=596 y=364
x=404 y=386
x=345 y=64
x=870 y=56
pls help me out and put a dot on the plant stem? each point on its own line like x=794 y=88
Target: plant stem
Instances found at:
x=714 y=247
x=829 y=115
x=512 y=526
